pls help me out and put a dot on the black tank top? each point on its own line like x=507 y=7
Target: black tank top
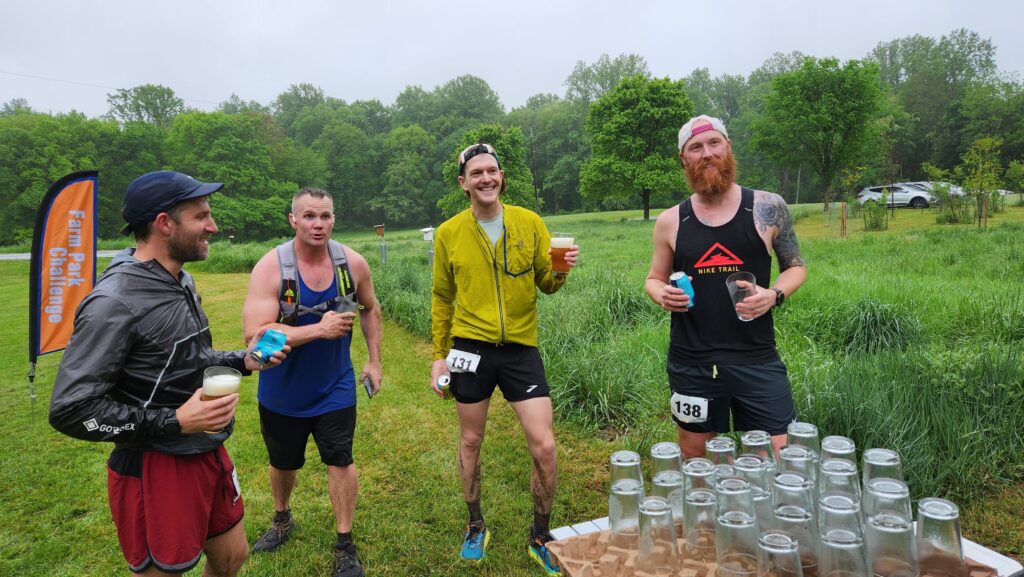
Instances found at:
x=710 y=332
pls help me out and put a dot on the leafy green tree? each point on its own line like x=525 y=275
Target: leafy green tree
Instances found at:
x=244 y=152
x=555 y=144
x=1014 y=179
x=589 y=82
x=15 y=106
x=151 y=103
x=351 y=174
x=508 y=143
x=633 y=132
x=235 y=105
x=287 y=106
x=821 y=116
x=981 y=174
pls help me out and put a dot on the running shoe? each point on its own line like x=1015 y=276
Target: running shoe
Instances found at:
x=275 y=536
x=475 y=545
x=539 y=552
x=346 y=564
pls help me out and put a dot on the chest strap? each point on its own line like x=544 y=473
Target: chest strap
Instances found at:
x=290 y=305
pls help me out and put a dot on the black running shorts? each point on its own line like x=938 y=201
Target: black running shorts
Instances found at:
x=515 y=369
x=757 y=396
x=285 y=437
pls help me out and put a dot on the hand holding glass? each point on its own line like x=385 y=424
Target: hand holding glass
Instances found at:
x=561 y=243
x=741 y=285
x=219 y=382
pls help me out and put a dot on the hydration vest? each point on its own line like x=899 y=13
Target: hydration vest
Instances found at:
x=291 y=308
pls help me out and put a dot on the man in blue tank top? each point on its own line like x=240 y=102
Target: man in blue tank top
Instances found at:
x=722 y=358
x=308 y=288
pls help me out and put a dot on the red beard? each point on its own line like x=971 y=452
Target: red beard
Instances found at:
x=713 y=176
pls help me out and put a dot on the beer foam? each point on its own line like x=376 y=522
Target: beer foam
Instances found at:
x=220 y=385
x=562 y=242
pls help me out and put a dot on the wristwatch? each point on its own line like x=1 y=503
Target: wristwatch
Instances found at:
x=170 y=425
x=780 y=297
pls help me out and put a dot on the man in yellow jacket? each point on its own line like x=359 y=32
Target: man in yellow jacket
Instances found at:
x=489 y=261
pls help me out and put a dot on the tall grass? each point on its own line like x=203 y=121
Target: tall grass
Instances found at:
x=909 y=339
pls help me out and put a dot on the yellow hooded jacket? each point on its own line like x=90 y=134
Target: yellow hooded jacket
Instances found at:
x=489 y=293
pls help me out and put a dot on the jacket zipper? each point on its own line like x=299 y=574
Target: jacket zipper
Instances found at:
x=497 y=279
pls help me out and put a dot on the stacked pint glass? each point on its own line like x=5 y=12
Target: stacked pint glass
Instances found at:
x=808 y=512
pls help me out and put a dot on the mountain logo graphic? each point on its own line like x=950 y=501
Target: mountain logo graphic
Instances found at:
x=717 y=255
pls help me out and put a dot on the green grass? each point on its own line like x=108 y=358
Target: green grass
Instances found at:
x=410 y=516
x=908 y=338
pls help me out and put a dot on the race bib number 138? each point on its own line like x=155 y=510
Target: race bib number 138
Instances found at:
x=462 y=362
x=689 y=409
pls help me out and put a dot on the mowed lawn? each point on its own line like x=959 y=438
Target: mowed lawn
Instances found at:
x=410 y=515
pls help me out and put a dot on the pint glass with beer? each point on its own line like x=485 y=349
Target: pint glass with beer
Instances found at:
x=561 y=243
x=220 y=381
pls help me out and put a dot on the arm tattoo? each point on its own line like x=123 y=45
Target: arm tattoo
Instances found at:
x=773 y=212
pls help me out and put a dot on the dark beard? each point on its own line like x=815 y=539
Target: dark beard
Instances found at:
x=712 y=182
x=184 y=249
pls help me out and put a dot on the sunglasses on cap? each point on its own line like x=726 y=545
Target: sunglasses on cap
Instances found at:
x=475 y=150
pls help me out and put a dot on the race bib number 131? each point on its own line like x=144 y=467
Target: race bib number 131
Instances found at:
x=462 y=362
x=689 y=409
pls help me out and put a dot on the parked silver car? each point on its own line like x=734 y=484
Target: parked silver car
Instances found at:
x=927 y=186
x=898 y=195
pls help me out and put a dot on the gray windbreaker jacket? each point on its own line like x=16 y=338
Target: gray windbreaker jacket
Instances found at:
x=140 y=344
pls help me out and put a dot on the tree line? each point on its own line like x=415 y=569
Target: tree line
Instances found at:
x=809 y=128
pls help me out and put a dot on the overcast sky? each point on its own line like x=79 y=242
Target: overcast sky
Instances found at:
x=63 y=55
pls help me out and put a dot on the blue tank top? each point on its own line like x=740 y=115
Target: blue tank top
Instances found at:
x=315 y=378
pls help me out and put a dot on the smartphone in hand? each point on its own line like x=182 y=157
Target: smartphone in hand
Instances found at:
x=368 y=385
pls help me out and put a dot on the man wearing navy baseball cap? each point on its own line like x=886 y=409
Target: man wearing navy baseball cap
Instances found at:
x=132 y=374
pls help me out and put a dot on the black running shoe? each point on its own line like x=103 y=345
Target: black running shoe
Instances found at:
x=346 y=564
x=275 y=536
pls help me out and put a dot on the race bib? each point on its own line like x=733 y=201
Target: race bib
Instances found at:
x=689 y=409
x=462 y=362
x=238 y=487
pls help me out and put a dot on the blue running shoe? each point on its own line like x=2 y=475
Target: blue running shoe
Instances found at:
x=539 y=552
x=475 y=545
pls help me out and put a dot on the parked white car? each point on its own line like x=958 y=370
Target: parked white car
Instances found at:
x=898 y=195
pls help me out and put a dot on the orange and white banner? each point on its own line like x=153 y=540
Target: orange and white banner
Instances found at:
x=63 y=266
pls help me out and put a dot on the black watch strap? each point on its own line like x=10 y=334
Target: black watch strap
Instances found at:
x=780 y=297
x=170 y=426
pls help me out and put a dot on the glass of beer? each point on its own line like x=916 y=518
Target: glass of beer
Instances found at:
x=220 y=381
x=561 y=243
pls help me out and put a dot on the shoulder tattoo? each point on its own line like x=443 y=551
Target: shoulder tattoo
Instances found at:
x=772 y=212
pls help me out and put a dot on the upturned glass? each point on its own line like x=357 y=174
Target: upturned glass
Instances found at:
x=884 y=495
x=804 y=435
x=939 y=545
x=624 y=512
x=798 y=459
x=736 y=531
x=837 y=447
x=669 y=485
x=657 y=551
x=891 y=547
x=698 y=473
x=839 y=475
x=752 y=470
x=699 y=522
x=665 y=457
x=778 y=555
x=841 y=551
x=759 y=443
x=881 y=463
x=625 y=465
x=720 y=450
x=794 y=514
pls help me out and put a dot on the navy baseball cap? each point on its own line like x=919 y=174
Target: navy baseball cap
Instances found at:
x=156 y=192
